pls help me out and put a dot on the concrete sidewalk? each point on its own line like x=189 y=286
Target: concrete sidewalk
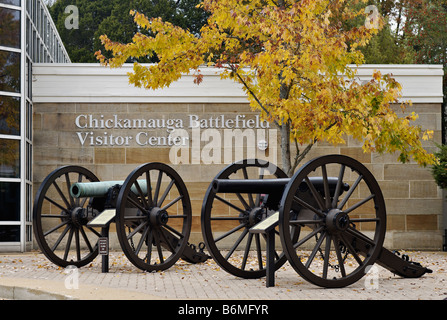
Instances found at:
x=31 y=276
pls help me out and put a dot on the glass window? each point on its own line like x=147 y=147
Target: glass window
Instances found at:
x=12 y=2
x=10 y=28
x=9 y=233
x=9 y=115
x=9 y=158
x=9 y=201
x=9 y=71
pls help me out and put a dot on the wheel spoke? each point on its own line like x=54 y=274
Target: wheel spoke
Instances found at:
x=350 y=191
x=61 y=194
x=315 y=250
x=87 y=242
x=361 y=236
x=158 y=245
x=315 y=194
x=55 y=228
x=143 y=237
x=135 y=203
x=308 y=206
x=309 y=236
x=341 y=175
x=149 y=189
x=242 y=200
x=178 y=233
x=172 y=202
x=247 y=250
x=327 y=251
x=236 y=244
x=137 y=229
x=250 y=196
x=68 y=245
x=303 y=222
x=67 y=179
x=327 y=194
x=359 y=204
x=229 y=204
x=158 y=186
x=61 y=236
x=78 y=244
x=142 y=196
x=229 y=232
x=339 y=257
x=57 y=205
x=351 y=250
x=163 y=197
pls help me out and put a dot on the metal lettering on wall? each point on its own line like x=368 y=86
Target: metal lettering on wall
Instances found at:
x=192 y=139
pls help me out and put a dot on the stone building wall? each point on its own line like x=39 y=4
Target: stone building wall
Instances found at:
x=66 y=133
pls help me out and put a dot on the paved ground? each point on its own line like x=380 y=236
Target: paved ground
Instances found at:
x=32 y=276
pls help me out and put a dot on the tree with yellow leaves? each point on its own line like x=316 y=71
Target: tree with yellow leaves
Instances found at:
x=295 y=61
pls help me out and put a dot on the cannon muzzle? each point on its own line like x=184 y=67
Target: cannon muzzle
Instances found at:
x=100 y=189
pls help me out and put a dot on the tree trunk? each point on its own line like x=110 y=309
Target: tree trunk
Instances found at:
x=285 y=148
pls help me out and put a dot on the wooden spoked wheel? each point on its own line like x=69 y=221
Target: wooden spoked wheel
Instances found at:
x=340 y=233
x=153 y=218
x=227 y=218
x=60 y=220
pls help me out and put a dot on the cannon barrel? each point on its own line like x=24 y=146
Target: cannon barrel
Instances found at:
x=270 y=185
x=249 y=185
x=100 y=189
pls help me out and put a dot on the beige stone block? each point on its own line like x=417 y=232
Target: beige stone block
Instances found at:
x=385 y=158
x=68 y=139
x=37 y=121
x=197 y=190
x=419 y=108
x=106 y=108
x=423 y=189
x=390 y=189
x=376 y=170
x=157 y=107
x=63 y=156
x=395 y=222
x=110 y=155
x=196 y=108
x=356 y=153
x=417 y=240
x=227 y=108
x=54 y=107
x=145 y=155
x=406 y=172
x=414 y=206
x=422 y=222
x=59 y=121
x=45 y=139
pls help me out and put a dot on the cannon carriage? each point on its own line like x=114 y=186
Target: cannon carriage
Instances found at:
x=151 y=211
x=328 y=220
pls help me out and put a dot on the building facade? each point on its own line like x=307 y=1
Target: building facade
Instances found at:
x=89 y=115
x=55 y=113
x=27 y=36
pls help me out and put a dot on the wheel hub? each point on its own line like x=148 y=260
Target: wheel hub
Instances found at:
x=78 y=216
x=337 y=221
x=158 y=216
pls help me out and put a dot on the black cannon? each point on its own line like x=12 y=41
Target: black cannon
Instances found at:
x=330 y=219
x=151 y=210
